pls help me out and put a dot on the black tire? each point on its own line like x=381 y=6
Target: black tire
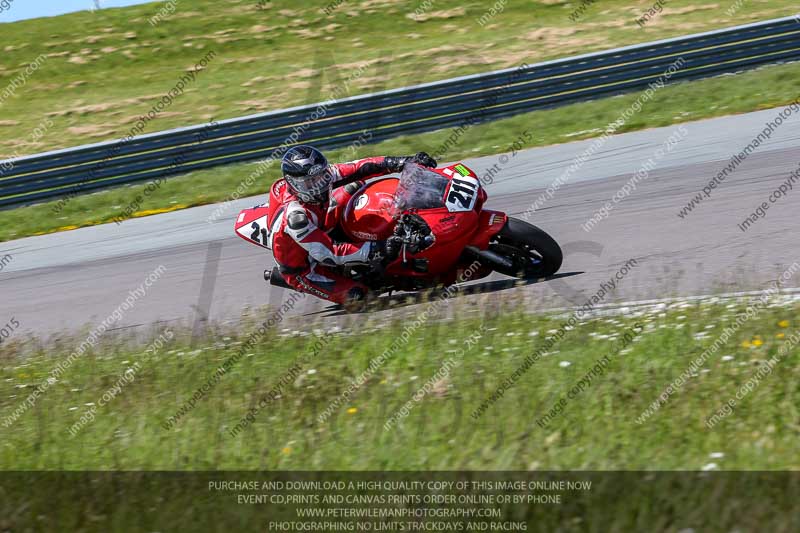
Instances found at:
x=535 y=253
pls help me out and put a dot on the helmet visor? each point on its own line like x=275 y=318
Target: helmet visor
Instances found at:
x=313 y=187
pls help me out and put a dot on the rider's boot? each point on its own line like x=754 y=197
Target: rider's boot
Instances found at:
x=356 y=300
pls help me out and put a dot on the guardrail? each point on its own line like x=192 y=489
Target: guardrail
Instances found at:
x=421 y=108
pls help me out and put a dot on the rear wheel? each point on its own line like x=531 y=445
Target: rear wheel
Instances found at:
x=533 y=253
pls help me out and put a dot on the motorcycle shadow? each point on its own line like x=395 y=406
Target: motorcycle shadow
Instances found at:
x=394 y=301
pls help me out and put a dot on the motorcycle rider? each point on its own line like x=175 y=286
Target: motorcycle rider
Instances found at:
x=306 y=206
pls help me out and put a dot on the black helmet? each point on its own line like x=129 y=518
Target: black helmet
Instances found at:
x=306 y=172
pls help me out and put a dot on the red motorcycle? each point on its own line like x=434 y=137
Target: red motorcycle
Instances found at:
x=447 y=235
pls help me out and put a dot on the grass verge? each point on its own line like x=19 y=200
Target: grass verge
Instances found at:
x=457 y=362
x=764 y=88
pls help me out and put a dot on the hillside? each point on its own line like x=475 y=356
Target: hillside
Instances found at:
x=99 y=71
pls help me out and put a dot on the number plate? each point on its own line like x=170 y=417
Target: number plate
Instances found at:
x=461 y=194
x=256 y=232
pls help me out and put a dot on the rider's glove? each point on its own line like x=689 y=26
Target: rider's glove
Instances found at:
x=414 y=232
x=423 y=159
x=392 y=247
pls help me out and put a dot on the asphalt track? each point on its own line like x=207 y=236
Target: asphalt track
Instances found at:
x=62 y=282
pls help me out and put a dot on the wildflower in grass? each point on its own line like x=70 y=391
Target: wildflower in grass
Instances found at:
x=757 y=342
x=564 y=364
x=352 y=411
x=783 y=323
x=286 y=451
x=746 y=344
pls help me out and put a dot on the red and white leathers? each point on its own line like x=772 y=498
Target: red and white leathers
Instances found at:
x=298 y=232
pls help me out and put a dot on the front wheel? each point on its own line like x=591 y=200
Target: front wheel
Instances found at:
x=533 y=253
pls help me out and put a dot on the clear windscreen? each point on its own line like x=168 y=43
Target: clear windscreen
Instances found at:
x=419 y=188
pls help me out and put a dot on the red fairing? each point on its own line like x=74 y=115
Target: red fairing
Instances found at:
x=489 y=224
x=254 y=224
x=368 y=216
x=251 y=225
x=371 y=215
